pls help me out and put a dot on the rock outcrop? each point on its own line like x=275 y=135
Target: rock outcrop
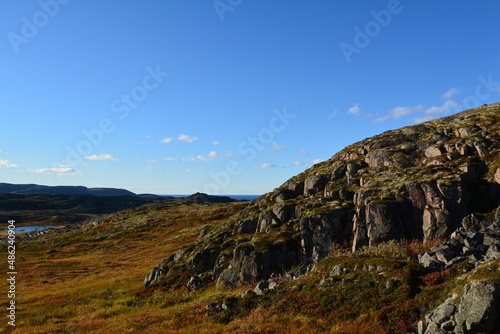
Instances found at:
x=419 y=182
x=476 y=241
x=475 y=312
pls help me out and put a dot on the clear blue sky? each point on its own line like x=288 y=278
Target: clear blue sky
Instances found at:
x=226 y=96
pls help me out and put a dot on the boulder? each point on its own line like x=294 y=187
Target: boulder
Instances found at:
x=315 y=184
x=194 y=282
x=264 y=286
x=337 y=271
x=479 y=307
x=476 y=312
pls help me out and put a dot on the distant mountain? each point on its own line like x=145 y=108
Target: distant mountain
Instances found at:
x=35 y=189
x=201 y=198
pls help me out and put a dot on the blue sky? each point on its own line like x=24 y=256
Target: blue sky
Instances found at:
x=226 y=96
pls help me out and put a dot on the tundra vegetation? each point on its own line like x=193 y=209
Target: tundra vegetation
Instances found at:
x=396 y=233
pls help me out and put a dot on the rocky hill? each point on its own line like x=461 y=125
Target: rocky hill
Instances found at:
x=414 y=183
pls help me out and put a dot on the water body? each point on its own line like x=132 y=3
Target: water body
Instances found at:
x=22 y=229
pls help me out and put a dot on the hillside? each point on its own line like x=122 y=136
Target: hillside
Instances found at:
x=414 y=183
x=397 y=233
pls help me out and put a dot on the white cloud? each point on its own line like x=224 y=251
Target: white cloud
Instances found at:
x=317 y=161
x=209 y=157
x=187 y=138
x=398 y=112
x=150 y=167
x=215 y=142
x=277 y=147
x=441 y=109
x=7 y=164
x=266 y=165
x=170 y=159
x=435 y=111
x=212 y=155
x=55 y=170
x=151 y=161
x=354 y=110
x=450 y=93
x=101 y=157
x=166 y=140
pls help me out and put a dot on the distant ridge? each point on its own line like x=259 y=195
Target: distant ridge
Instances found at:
x=35 y=189
x=201 y=198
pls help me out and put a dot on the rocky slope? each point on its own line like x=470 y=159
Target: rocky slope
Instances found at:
x=415 y=183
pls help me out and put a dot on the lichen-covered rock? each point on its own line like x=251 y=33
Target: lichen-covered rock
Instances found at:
x=476 y=312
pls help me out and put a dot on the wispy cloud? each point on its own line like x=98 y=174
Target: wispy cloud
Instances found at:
x=450 y=93
x=170 y=159
x=151 y=161
x=209 y=157
x=355 y=110
x=166 y=140
x=55 y=170
x=178 y=171
x=266 y=165
x=308 y=162
x=101 y=157
x=215 y=142
x=398 y=112
x=149 y=167
x=7 y=164
x=187 y=138
x=435 y=111
x=276 y=147
x=333 y=114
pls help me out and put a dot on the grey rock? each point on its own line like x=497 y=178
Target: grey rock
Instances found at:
x=246 y=226
x=432 y=152
x=315 y=184
x=420 y=327
x=336 y=271
x=443 y=312
x=433 y=328
x=430 y=262
x=264 y=286
x=448 y=325
x=228 y=278
x=445 y=252
x=194 y=282
x=479 y=307
x=157 y=272
x=493 y=252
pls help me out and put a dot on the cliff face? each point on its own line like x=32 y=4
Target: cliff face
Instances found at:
x=417 y=182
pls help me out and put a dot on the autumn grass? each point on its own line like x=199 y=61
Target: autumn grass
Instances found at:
x=89 y=281
x=69 y=283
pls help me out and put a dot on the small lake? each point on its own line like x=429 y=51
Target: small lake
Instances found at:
x=22 y=229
